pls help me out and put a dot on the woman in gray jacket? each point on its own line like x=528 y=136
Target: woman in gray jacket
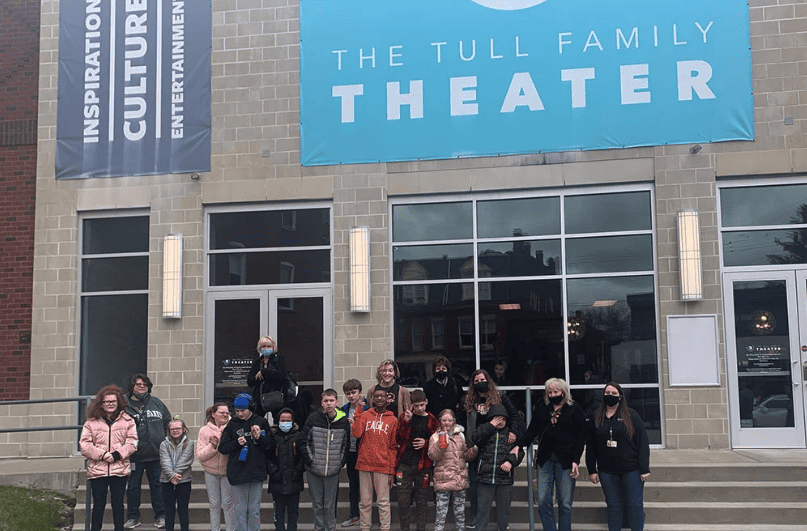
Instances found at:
x=176 y=458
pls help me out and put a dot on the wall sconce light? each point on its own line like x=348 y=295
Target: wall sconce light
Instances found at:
x=694 y=150
x=359 y=244
x=689 y=256
x=172 y=276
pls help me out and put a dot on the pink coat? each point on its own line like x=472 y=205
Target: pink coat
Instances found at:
x=450 y=466
x=212 y=461
x=98 y=438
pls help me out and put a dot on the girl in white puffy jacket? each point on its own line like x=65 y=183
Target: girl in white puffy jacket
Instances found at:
x=450 y=470
x=176 y=458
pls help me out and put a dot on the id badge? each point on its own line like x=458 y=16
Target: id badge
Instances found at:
x=611 y=443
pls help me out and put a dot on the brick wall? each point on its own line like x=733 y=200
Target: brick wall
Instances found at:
x=19 y=75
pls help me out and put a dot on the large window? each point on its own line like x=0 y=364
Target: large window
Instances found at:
x=113 y=300
x=552 y=286
x=764 y=225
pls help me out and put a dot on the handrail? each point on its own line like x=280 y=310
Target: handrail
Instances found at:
x=80 y=399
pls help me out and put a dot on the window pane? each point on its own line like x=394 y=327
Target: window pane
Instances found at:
x=521 y=325
x=644 y=400
x=433 y=262
x=763 y=247
x=763 y=205
x=272 y=228
x=434 y=221
x=519 y=259
x=237 y=329
x=299 y=336
x=434 y=320
x=115 y=274
x=114 y=340
x=607 y=212
x=609 y=254
x=612 y=329
x=115 y=235
x=281 y=267
x=538 y=216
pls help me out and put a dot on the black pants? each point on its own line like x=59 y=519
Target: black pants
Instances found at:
x=286 y=503
x=353 y=482
x=117 y=488
x=177 y=498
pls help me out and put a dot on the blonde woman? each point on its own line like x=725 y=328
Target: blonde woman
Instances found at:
x=398 y=399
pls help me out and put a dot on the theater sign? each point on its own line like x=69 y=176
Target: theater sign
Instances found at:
x=396 y=81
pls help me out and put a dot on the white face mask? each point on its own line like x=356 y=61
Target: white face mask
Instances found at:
x=284 y=426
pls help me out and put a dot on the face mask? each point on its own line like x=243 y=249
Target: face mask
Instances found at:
x=441 y=375
x=556 y=399
x=267 y=352
x=481 y=387
x=140 y=396
x=611 y=400
x=284 y=426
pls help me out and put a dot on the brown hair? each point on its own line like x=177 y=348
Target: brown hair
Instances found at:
x=96 y=408
x=622 y=412
x=417 y=396
x=442 y=360
x=351 y=384
x=212 y=409
x=384 y=364
x=139 y=376
x=472 y=398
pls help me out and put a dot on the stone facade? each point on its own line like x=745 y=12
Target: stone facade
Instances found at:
x=255 y=146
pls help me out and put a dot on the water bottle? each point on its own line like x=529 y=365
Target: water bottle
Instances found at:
x=443 y=440
x=425 y=483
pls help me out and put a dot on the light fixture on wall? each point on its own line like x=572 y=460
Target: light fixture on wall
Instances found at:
x=359 y=245
x=694 y=150
x=689 y=256
x=172 y=276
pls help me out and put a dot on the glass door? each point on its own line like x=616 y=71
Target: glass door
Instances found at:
x=764 y=358
x=801 y=294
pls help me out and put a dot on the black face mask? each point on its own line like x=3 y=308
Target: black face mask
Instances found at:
x=481 y=387
x=611 y=400
x=556 y=399
x=441 y=375
x=140 y=396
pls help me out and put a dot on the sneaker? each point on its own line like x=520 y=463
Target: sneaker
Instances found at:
x=160 y=523
x=350 y=522
x=131 y=523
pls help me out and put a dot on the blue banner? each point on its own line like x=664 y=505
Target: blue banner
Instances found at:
x=134 y=88
x=425 y=79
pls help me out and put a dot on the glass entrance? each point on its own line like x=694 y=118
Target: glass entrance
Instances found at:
x=765 y=329
x=299 y=320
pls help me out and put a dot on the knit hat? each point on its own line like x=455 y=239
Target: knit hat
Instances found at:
x=242 y=401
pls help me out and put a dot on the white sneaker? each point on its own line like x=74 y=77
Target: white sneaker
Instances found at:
x=131 y=523
x=160 y=523
x=350 y=522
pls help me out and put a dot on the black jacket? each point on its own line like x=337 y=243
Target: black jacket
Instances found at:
x=565 y=438
x=442 y=397
x=285 y=466
x=254 y=468
x=151 y=418
x=494 y=450
x=274 y=379
x=471 y=420
x=629 y=455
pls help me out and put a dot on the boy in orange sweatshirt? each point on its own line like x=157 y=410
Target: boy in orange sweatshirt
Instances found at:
x=376 y=430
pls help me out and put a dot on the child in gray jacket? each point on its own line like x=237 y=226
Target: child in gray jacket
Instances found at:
x=176 y=458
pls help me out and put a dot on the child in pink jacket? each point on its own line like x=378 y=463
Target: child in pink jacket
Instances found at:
x=447 y=448
x=219 y=493
x=108 y=439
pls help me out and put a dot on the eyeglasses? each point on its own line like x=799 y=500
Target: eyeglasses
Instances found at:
x=141 y=384
x=176 y=429
x=110 y=402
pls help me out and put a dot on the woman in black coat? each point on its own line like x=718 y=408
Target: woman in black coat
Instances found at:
x=267 y=373
x=558 y=422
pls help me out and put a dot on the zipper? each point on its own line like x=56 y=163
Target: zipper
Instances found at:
x=495 y=456
x=109 y=445
x=328 y=438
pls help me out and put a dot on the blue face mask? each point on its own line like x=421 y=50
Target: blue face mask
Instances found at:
x=267 y=352
x=284 y=426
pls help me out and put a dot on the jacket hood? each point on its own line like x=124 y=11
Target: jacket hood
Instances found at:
x=284 y=410
x=497 y=410
x=384 y=414
x=457 y=429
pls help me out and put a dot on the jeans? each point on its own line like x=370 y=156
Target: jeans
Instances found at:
x=503 y=494
x=286 y=503
x=220 y=496
x=152 y=469
x=552 y=473
x=247 y=500
x=323 y=491
x=621 y=491
x=177 y=497
x=117 y=489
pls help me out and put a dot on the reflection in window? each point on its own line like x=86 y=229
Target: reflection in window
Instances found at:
x=618 y=342
x=763 y=205
x=466 y=331
x=430 y=262
x=609 y=254
x=276 y=267
x=763 y=247
x=520 y=258
x=434 y=221
x=536 y=216
x=607 y=212
x=438 y=334
x=305 y=227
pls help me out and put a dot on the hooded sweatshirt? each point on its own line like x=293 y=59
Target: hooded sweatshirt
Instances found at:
x=378 y=448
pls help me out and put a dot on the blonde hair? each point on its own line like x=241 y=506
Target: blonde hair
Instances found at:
x=270 y=338
x=562 y=385
x=384 y=364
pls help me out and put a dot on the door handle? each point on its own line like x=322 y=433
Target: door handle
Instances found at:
x=793 y=372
